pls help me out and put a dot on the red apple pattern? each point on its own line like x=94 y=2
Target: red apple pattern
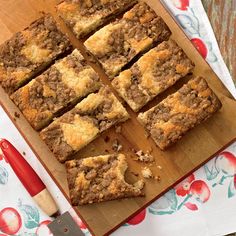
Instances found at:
x=189 y=19
x=226 y=162
x=200 y=190
x=197 y=188
x=138 y=218
x=200 y=46
x=181 y=4
x=189 y=193
x=224 y=169
x=43 y=230
x=183 y=188
x=10 y=220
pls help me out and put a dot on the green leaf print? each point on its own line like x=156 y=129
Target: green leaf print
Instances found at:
x=30 y=216
x=211 y=174
x=167 y=204
x=231 y=189
x=154 y=212
x=171 y=196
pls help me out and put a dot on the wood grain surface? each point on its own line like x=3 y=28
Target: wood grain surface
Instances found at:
x=177 y=162
x=222 y=15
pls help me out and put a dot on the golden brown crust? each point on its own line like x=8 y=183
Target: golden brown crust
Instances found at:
x=78 y=127
x=63 y=84
x=100 y=178
x=174 y=116
x=152 y=74
x=119 y=42
x=28 y=52
x=83 y=17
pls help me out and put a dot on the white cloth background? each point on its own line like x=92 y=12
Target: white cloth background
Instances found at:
x=208 y=211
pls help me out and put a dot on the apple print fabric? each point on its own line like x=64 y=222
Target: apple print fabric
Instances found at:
x=192 y=17
x=201 y=205
x=204 y=204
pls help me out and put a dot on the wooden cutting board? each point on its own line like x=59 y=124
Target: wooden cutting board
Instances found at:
x=178 y=161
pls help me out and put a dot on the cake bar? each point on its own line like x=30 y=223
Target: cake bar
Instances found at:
x=83 y=17
x=99 y=179
x=153 y=73
x=118 y=43
x=174 y=116
x=63 y=84
x=78 y=127
x=28 y=52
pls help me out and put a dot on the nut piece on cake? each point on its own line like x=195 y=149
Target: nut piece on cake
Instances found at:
x=174 y=116
x=28 y=52
x=78 y=127
x=63 y=84
x=83 y=17
x=99 y=179
x=152 y=74
x=118 y=43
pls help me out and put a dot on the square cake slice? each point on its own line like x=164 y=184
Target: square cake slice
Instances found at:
x=28 y=52
x=174 y=116
x=83 y=17
x=63 y=84
x=78 y=127
x=118 y=43
x=152 y=74
x=99 y=179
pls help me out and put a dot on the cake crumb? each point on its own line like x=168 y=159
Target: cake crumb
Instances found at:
x=159 y=167
x=147 y=173
x=16 y=114
x=144 y=157
x=116 y=146
x=118 y=129
x=158 y=178
x=24 y=153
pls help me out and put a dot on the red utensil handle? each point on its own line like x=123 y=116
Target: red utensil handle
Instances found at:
x=22 y=169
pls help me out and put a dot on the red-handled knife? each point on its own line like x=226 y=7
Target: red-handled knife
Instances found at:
x=28 y=178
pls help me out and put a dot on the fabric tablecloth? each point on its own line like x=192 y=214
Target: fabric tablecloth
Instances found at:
x=202 y=205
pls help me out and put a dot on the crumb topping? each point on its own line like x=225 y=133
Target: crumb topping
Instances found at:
x=179 y=112
x=119 y=42
x=29 y=51
x=99 y=179
x=152 y=74
x=78 y=127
